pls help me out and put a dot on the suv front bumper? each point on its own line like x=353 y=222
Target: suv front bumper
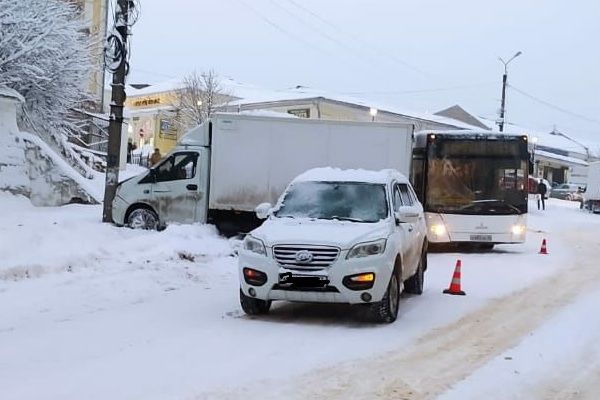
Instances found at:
x=334 y=292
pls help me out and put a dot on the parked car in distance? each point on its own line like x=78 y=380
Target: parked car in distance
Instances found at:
x=337 y=236
x=567 y=191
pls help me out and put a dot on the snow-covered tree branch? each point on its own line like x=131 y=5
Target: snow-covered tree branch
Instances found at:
x=45 y=56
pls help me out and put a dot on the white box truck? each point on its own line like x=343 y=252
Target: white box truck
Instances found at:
x=221 y=170
x=591 y=196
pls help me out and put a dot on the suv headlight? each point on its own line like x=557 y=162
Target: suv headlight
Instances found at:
x=254 y=245
x=367 y=249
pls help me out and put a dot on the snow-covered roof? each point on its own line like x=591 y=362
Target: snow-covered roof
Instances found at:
x=547 y=139
x=329 y=174
x=247 y=94
x=303 y=93
x=560 y=157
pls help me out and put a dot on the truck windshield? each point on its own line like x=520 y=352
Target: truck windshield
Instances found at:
x=477 y=177
x=348 y=201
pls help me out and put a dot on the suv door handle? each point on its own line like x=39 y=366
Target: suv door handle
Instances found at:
x=192 y=187
x=410 y=228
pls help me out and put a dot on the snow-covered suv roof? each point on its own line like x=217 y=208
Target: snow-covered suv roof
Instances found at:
x=329 y=174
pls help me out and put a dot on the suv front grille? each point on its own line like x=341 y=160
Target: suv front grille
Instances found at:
x=320 y=256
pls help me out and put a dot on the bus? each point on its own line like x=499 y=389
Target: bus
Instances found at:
x=473 y=186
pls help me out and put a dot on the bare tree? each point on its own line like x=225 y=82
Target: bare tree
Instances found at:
x=198 y=98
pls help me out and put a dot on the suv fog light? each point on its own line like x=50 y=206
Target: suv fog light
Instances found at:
x=366 y=297
x=252 y=292
x=359 y=281
x=254 y=277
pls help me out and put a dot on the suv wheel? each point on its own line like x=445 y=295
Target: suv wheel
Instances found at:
x=414 y=284
x=142 y=218
x=387 y=309
x=252 y=306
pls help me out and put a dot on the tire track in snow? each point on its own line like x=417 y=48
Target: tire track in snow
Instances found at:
x=446 y=355
x=449 y=354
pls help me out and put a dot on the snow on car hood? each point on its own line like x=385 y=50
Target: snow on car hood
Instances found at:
x=342 y=234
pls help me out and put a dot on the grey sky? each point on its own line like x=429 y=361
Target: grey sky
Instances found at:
x=392 y=51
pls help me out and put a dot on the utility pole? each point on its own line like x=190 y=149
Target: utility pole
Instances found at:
x=504 y=80
x=119 y=67
x=503 y=103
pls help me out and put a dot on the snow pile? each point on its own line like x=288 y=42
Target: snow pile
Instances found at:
x=72 y=238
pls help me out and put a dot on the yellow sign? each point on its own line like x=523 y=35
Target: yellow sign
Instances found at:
x=146 y=102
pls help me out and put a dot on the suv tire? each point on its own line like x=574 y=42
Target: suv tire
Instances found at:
x=252 y=306
x=414 y=284
x=386 y=310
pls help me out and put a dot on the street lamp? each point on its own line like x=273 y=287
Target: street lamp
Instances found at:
x=504 y=78
x=373 y=112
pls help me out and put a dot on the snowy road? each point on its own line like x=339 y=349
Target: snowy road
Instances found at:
x=92 y=311
x=446 y=355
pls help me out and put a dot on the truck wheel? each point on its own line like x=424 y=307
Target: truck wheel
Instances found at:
x=386 y=310
x=252 y=306
x=142 y=218
x=414 y=284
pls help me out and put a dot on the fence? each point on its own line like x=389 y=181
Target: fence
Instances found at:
x=139 y=159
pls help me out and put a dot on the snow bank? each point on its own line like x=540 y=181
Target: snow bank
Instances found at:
x=35 y=241
x=28 y=166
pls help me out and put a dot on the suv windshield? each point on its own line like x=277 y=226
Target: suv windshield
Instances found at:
x=350 y=201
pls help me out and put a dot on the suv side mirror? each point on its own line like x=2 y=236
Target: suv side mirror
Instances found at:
x=263 y=210
x=406 y=215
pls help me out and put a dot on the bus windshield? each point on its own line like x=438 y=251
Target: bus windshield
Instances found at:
x=474 y=176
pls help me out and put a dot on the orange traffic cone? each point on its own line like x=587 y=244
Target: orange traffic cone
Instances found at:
x=455 y=283
x=544 y=249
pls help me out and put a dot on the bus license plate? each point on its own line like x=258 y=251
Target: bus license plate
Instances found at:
x=481 y=238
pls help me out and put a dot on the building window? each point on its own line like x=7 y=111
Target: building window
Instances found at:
x=300 y=112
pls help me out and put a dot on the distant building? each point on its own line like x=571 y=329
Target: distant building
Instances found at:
x=95 y=16
x=152 y=109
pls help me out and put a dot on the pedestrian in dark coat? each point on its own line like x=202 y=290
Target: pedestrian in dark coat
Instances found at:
x=542 y=190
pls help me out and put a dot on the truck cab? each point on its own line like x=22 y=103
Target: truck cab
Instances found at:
x=175 y=190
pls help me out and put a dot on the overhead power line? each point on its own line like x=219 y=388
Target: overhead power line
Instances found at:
x=358 y=39
x=278 y=27
x=553 y=106
x=432 y=90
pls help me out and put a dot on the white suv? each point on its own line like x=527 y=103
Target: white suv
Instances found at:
x=337 y=236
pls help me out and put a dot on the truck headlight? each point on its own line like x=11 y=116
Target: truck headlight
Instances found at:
x=367 y=249
x=254 y=245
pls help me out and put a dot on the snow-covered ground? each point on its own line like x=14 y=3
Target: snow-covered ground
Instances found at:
x=88 y=310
